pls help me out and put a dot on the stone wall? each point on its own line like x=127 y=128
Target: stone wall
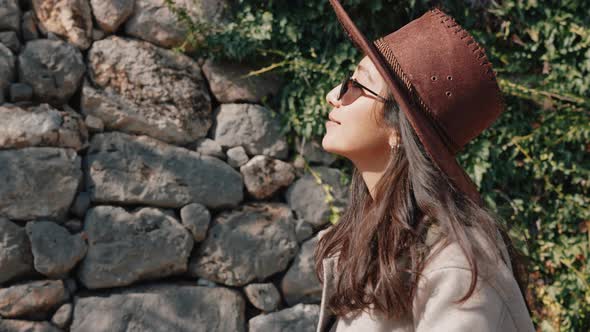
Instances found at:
x=141 y=189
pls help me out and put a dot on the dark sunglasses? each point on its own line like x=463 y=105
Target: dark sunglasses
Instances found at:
x=349 y=80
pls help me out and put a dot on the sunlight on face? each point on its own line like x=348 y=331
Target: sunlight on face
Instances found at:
x=358 y=134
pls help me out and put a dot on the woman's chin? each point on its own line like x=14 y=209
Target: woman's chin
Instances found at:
x=328 y=145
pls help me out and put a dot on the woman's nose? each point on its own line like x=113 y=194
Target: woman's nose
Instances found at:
x=332 y=96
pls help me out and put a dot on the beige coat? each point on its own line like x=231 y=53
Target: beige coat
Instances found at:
x=496 y=304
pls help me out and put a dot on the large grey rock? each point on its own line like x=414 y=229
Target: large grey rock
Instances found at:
x=161 y=307
x=264 y=176
x=300 y=283
x=263 y=296
x=55 y=250
x=300 y=318
x=34 y=300
x=228 y=86
x=16 y=325
x=153 y=21
x=246 y=244
x=32 y=192
x=310 y=199
x=16 y=259
x=110 y=14
x=142 y=170
x=7 y=67
x=41 y=125
x=71 y=19
x=53 y=68
x=9 y=15
x=251 y=126
x=125 y=247
x=139 y=88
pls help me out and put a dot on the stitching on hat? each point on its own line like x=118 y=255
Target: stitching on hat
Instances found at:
x=489 y=71
x=470 y=41
x=399 y=73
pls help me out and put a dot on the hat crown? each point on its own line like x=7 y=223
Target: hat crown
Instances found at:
x=447 y=73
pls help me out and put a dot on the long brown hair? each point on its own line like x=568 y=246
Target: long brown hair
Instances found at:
x=381 y=242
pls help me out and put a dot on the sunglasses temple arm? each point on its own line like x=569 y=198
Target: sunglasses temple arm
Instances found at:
x=373 y=92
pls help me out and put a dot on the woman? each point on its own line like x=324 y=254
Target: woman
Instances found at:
x=416 y=249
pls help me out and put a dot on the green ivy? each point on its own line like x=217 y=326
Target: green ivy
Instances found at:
x=531 y=165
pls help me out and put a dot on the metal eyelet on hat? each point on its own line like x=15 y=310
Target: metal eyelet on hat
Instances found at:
x=433 y=77
x=449 y=78
x=448 y=93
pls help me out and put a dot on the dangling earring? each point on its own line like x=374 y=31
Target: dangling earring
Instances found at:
x=393 y=148
x=396 y=147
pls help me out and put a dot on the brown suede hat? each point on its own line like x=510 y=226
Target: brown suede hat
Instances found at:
x=443 y=82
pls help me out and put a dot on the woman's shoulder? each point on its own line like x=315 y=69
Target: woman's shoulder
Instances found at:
x=496 y=303
x=450 y=255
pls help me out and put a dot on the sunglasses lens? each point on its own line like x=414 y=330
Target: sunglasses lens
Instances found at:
x=344 y=86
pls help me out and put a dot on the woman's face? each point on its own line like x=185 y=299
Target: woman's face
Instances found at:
x=357 y=135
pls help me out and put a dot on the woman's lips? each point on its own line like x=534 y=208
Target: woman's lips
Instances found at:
x=330 y=123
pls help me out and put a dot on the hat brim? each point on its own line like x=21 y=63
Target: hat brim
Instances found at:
x=438 y=152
